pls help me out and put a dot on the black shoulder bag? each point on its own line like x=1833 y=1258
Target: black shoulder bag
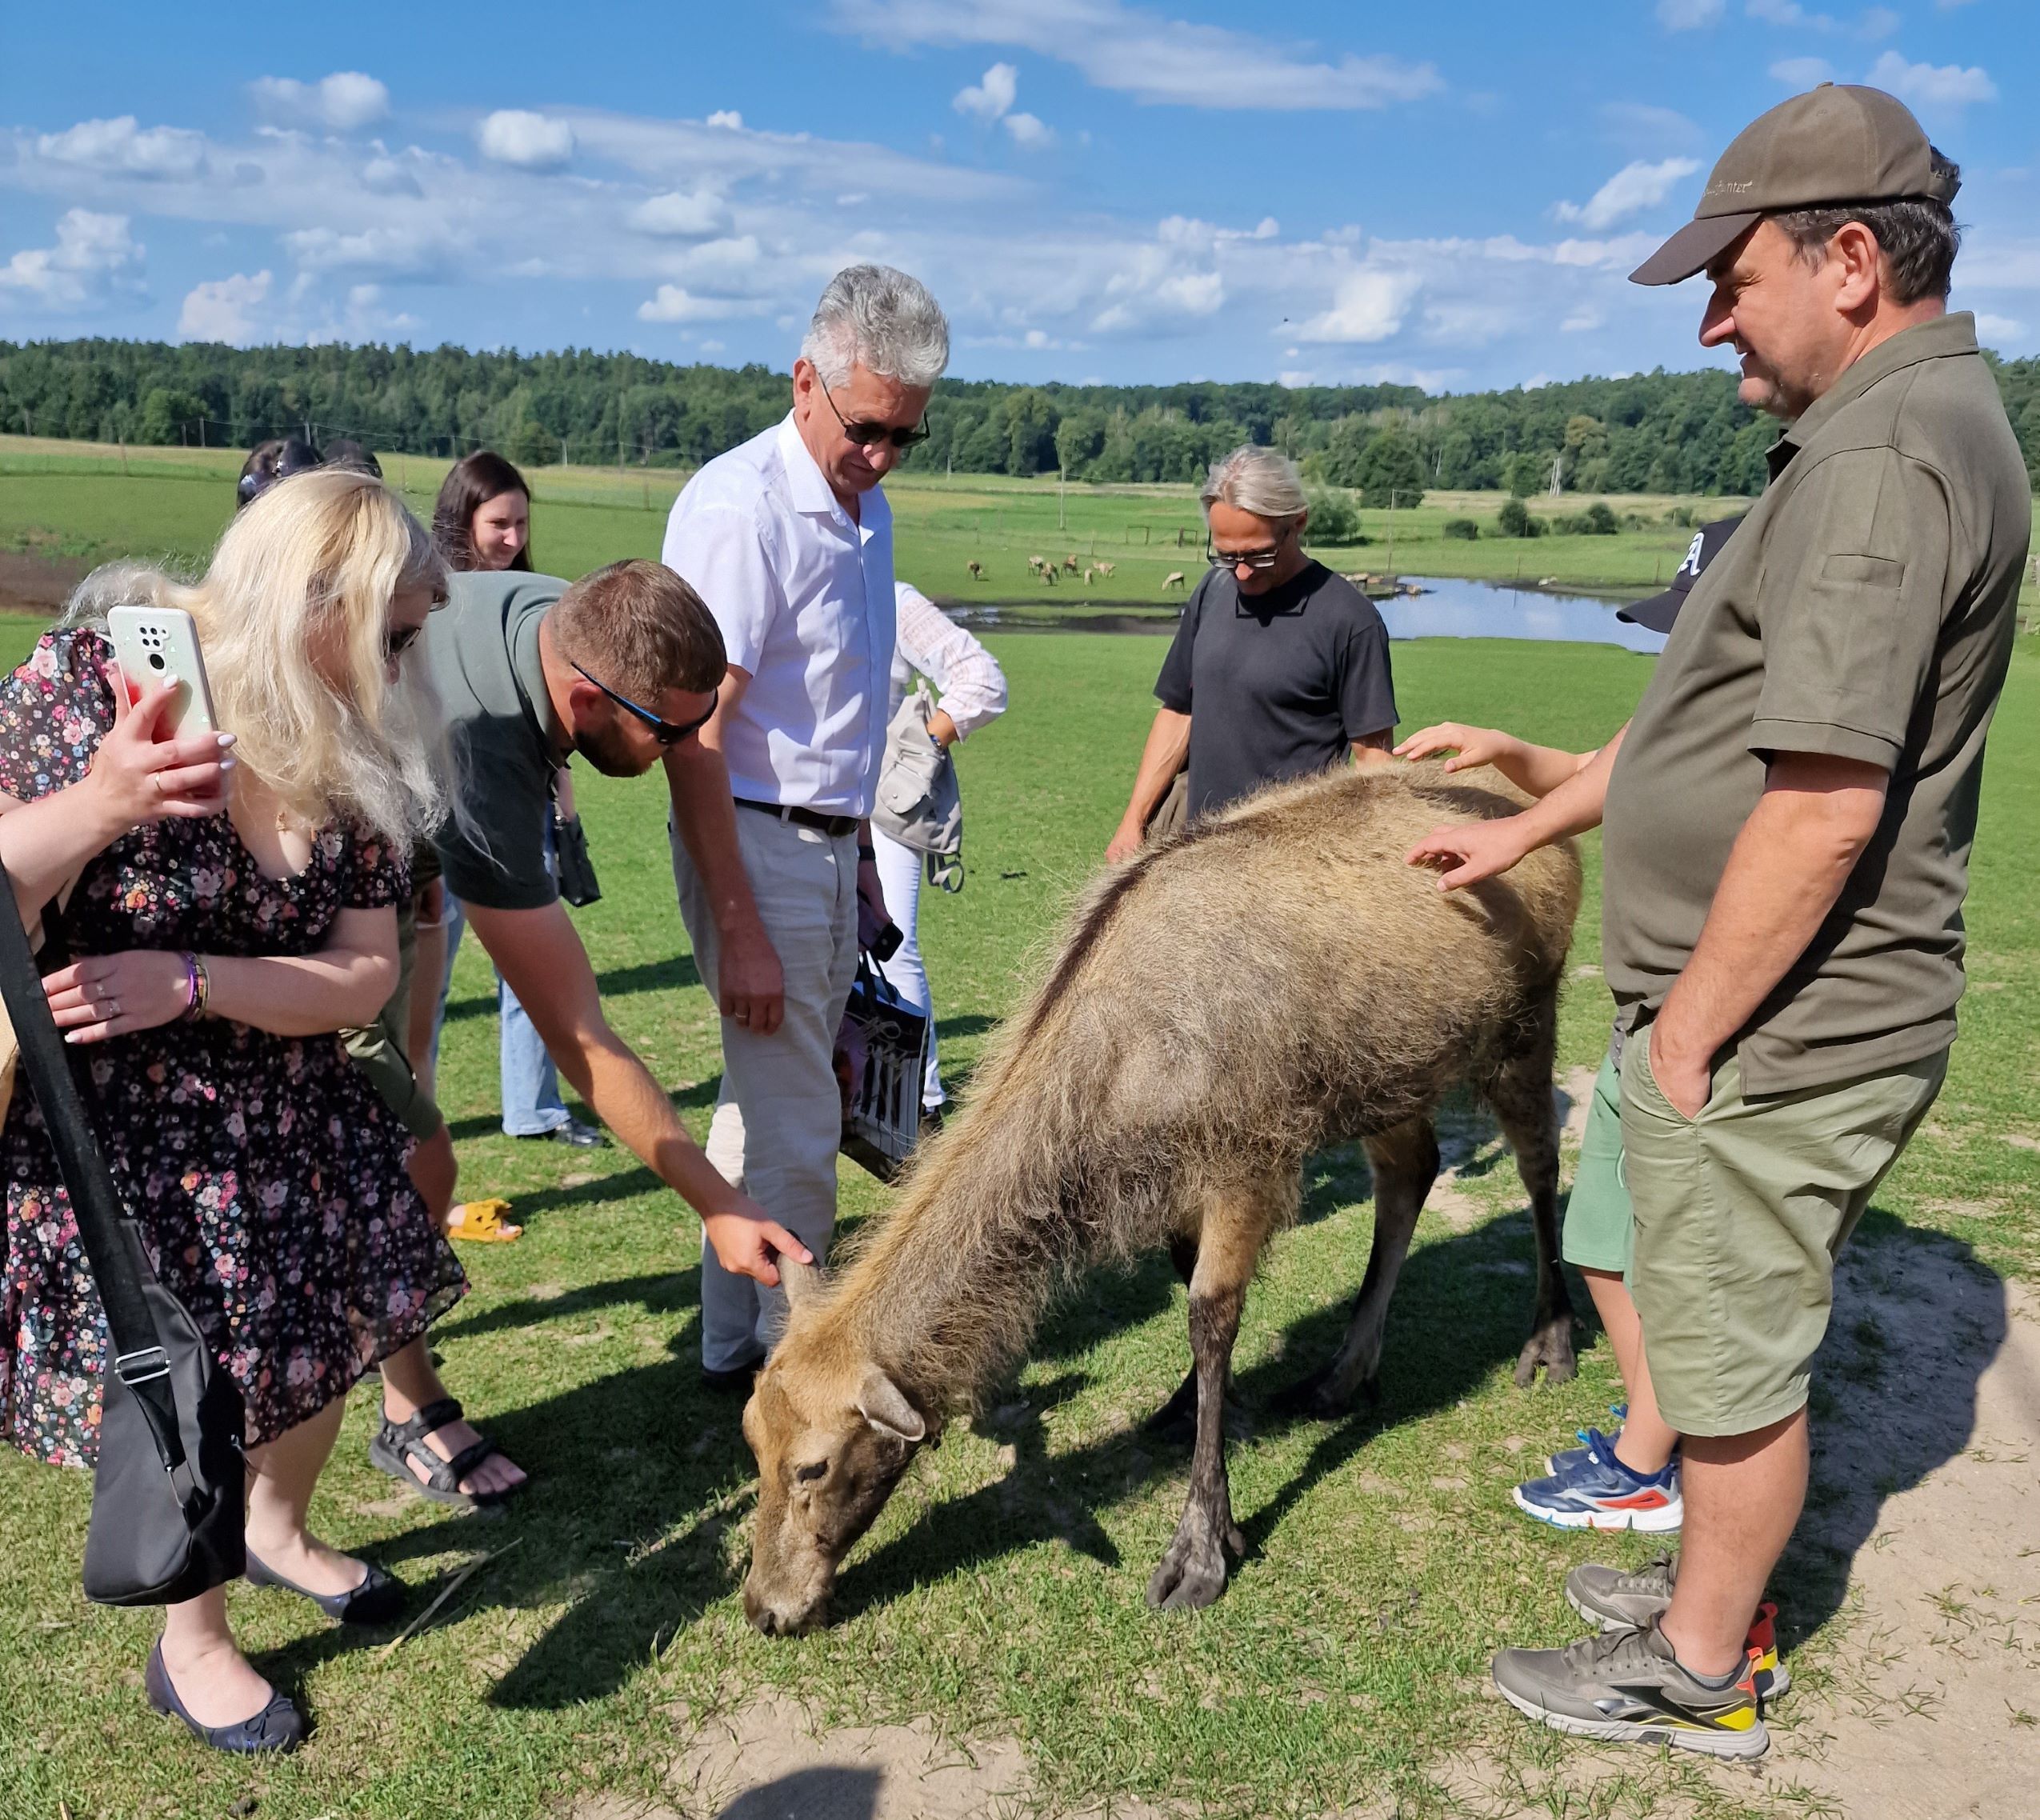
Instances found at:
x=166 y=1502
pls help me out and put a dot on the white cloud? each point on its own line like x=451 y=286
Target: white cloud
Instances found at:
x=1132 y=51
x=685 y=213
x=1370 y=305
x=531 y=142
x=1689 y=15
x=121 y=145
x=343 y=101
x=94 y=255
x=1879 y=21
x=1642 y=126
x=727 y=117
x=1925 y=86
x=1029 y=133
x=222 y=309
x=1632 y=189
x=990 y=98
x=672 y=303
x=1802 y=72
x=1991 y=328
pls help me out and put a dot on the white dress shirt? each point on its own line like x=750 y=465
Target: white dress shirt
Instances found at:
x=933 y=644
x=804 y=595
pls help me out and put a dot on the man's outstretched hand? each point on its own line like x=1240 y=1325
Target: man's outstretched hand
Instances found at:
x=747 y=1242
x=1464 y=853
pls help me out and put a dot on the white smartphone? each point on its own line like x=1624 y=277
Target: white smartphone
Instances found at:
x=151 y=645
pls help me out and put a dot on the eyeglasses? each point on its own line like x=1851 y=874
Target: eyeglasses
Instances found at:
x=1255 y=559
x=869 y=435
x=666 y=732
x=397 y=640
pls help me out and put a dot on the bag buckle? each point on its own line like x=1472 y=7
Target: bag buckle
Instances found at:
x=142 y=1367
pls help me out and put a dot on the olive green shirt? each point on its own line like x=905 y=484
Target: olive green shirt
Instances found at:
x=483 y=647
x=1865 y=609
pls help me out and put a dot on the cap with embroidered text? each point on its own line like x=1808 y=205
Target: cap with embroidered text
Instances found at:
x=1835 y=144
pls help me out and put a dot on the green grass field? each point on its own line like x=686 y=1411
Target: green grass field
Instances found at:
x=78 y=499
x=1001 y=1593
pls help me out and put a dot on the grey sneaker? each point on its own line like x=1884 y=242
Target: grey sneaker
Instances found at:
x=1619 y=1601
x=1627 y=1687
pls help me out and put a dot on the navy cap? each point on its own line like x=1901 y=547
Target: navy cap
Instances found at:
x=1656 y=613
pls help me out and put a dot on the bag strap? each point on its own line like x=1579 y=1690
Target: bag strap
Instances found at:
x=58 y=1072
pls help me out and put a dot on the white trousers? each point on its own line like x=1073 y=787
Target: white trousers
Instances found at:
x=779 y=1119
x=902 y=872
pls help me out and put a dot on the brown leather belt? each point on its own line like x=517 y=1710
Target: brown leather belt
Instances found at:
x=834 y=826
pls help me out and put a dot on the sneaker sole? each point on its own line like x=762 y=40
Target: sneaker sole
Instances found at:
x=1739 y=1746
x=1772 y=1683
x=1659 y=1522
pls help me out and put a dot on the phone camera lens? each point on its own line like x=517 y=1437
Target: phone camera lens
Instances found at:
x=155 y=660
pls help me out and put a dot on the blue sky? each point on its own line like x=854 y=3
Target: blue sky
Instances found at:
x=1114 y=189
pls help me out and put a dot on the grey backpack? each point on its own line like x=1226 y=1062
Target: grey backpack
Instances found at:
x=919 y=804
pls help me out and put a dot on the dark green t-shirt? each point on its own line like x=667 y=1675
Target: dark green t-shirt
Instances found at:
x=1865 y=609
x=483 y=646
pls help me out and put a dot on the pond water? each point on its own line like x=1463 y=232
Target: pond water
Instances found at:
x=1448 y=608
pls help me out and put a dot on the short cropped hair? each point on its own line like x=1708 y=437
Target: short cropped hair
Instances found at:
x=1919 y=237
x=641 y=629
x=881 y=319
x=1263 y=482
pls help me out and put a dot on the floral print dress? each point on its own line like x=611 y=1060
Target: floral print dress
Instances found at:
x=267 y=1177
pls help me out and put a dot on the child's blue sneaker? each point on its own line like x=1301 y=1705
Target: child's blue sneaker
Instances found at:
x=1595 y=1490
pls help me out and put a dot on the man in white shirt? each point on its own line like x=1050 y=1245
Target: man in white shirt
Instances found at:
x=788 y=539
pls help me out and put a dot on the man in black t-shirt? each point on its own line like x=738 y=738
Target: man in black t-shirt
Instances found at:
x=1279 y=668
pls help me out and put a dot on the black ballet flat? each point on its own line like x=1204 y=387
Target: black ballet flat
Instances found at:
x=279 y=1726
x=375 y=1601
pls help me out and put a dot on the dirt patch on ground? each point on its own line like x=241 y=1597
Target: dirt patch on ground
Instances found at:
x=771 y=1760
x=30 y=583
x=1927 y=1705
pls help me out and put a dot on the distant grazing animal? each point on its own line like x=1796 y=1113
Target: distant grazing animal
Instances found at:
x=1048 y=574
x=1034 y=565
x=1175 y=579
x=1070 y=562
x=1273 y=980
x=1104 y=568
x=1088 y=573
x=977 y=571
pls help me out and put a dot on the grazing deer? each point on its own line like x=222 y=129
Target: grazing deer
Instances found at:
x=1048 y=574
x=1175 y=578
x=977 y=571
x=1088 y=573
x=1070 y=562
x=1035 y=565
x=1104 y=569
x=1273 y=980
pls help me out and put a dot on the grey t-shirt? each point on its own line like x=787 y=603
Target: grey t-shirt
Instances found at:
x=1865 y=609
x=483 y=647
x=1277 y=685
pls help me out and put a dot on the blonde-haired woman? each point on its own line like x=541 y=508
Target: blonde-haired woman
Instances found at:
x=230 y=909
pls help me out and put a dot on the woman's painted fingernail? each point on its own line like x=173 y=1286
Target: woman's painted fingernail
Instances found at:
x=226 y=764
x=225 y=739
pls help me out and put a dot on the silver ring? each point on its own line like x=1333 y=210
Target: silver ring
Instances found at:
x=113 y=1009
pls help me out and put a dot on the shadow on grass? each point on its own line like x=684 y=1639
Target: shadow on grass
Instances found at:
x=629 y=1520
x=1917 y=1320
x=833 y=1793
x=676 y=974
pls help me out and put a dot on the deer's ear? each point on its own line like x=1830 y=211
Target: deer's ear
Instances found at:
x=880 y=1402
x=800 y=1281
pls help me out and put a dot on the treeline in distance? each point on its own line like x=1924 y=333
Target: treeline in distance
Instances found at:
x=1648 y=433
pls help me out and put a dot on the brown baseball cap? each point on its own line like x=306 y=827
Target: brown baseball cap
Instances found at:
x=1835 y=144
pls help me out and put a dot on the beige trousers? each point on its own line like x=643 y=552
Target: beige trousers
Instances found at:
x=779 y=1118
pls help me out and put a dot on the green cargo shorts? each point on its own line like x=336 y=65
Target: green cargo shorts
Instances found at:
x=1739 y=1213
x=1598 y=1222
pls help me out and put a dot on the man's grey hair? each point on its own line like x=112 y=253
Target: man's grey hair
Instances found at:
x=1263 y=482
x=881 y=319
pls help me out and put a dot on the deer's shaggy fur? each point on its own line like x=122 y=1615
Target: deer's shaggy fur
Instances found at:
x=1273 y=980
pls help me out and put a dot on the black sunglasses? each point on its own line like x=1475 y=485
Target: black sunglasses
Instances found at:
x=666 y=732
x=870 y=435
x=1256 y=559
